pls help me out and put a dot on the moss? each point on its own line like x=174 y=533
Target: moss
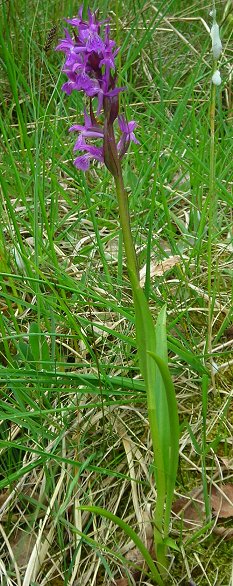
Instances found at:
x=215 y=557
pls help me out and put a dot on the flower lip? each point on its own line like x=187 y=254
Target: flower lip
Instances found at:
x=83 y=161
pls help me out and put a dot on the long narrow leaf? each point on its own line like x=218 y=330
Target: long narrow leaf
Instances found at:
x=146 y=344
x=131 y=533
x=174 y=430
x=159 y=388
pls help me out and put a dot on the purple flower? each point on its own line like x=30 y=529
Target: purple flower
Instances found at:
x=69 y=85
x=88 y=31
x=92 y=41
x=81 y=82
x=91 y=129
x=92 y=153
x=108 y=55
x=76 y=21
x=91 y=57
x=127 y=129
x=92 y=24
x=90 y=67
x=66 y=45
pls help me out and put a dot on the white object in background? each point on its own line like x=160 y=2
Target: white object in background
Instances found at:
x=216 y=78
x=19 y=261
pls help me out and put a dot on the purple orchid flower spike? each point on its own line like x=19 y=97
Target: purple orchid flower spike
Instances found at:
x=90 y=67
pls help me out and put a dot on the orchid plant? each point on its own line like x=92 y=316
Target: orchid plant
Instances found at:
x=90 y=66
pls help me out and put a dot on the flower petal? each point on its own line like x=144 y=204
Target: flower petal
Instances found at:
x=83 y=162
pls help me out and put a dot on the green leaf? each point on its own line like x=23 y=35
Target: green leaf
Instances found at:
x=174 y=436
x=34 y=341
x=186 y=355
x=146 y=344
x=159 y=388
x=196 y=445
x=132 y=535
x=171 y=543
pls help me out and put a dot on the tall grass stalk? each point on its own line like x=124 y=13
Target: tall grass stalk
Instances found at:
x=211 y=223
x=212 y=211
x=203 y=451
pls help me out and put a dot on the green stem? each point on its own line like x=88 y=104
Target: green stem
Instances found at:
x=126 y=228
